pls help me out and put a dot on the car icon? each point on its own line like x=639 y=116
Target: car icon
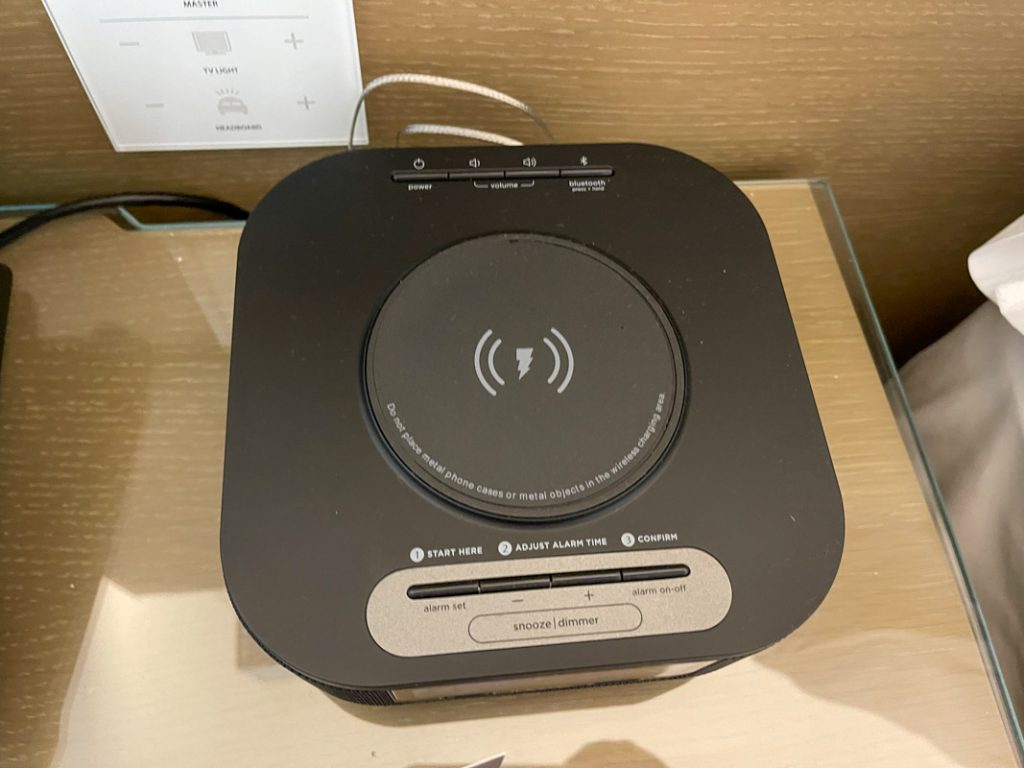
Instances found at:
x=232 y=104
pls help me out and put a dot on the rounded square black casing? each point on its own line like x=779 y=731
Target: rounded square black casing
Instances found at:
x=316 y=510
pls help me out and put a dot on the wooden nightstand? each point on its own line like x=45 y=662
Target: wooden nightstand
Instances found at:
x=119 y=646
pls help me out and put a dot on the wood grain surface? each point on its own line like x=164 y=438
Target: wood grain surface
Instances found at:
x=118 y=645
x=914 y=110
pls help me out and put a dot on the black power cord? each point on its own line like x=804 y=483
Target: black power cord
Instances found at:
x=133 y=199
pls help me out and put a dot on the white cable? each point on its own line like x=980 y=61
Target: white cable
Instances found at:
x=435 y=129
x=442 y=82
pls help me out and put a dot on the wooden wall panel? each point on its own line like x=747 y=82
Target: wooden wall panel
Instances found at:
x=914 y=110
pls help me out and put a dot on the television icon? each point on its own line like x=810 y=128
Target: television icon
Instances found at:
x=212 y=43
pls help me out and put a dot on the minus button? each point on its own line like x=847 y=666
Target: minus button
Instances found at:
x=475 y=175
x=515 y=583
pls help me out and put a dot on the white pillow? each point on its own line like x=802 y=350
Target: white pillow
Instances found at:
x=997 y=268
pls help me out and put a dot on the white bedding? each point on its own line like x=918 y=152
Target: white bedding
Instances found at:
x=966 y=392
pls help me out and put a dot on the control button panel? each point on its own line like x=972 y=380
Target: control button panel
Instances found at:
x=424 y=611
x=215 y=74
x=545 y=581
x=491 y=174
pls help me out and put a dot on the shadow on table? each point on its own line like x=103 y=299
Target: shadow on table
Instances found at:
x=71 y=410
x=918 y=666
x=599 y=754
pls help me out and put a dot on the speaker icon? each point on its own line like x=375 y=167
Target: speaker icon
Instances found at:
x=485 y=354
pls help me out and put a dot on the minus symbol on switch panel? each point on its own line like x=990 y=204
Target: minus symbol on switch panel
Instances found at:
x=155 y=106
x=129 y=43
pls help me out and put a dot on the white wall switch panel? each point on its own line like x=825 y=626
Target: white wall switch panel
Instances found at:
x=215 y=74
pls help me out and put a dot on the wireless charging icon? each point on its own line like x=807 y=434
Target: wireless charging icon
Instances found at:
x=562 y=367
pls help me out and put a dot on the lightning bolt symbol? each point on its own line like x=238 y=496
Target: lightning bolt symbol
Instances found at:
x=524 y=356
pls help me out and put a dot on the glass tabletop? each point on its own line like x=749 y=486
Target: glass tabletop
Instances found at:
x=889 y=375
x=119 y=645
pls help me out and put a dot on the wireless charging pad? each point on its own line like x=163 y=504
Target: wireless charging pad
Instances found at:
x=537 y=451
